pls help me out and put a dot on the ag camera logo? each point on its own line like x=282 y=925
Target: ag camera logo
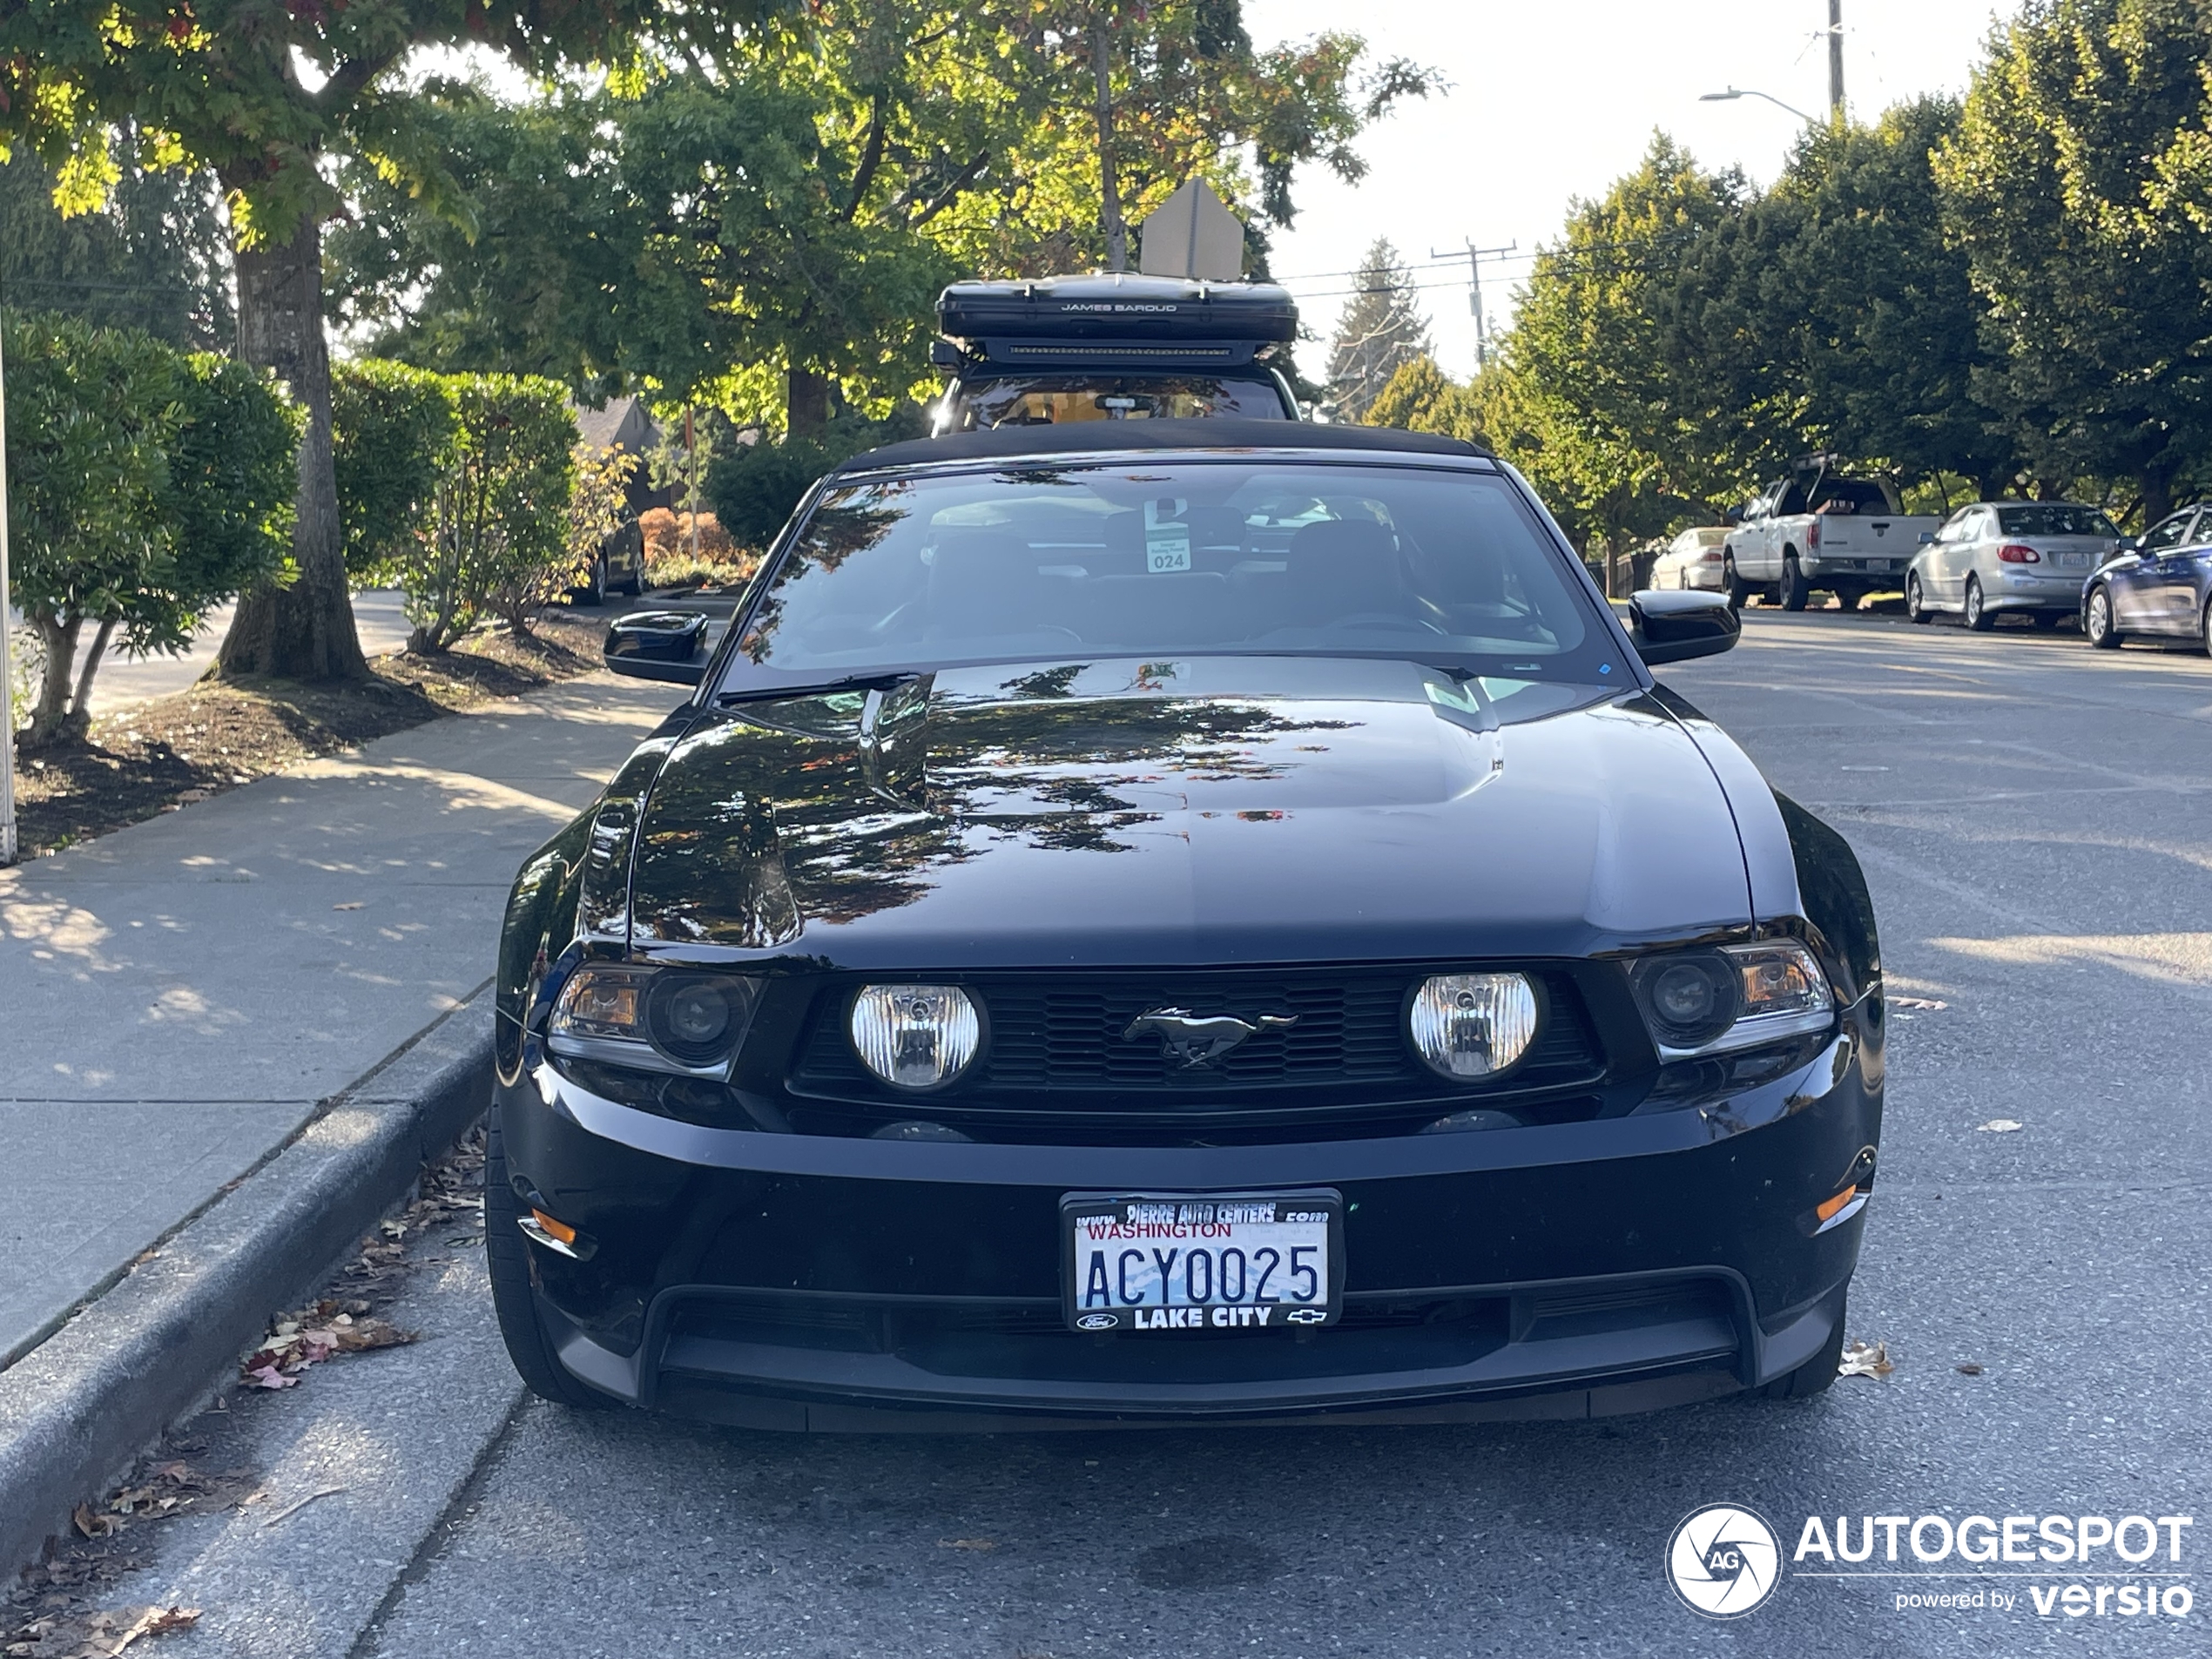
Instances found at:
x=1724 y=1561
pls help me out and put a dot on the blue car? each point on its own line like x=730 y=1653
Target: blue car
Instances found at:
x=2160 y=585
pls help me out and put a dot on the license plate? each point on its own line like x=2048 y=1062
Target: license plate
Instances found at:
x=2074 y=561
x=1212 y=1262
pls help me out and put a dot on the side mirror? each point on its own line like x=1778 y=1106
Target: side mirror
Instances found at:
x=1733 y=515
x=2128 y=544
x=1672 y=626
x=1926 y=538
x=944 y=354
x=658 y=645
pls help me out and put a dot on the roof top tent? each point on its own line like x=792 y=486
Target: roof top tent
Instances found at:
x=1108 y=348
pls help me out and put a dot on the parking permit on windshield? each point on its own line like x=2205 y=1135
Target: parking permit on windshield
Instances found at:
x=1167 y=540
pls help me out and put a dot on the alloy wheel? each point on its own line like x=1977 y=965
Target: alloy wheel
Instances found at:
x=1916 y=603
x=2097 y=623
x=1979 y=618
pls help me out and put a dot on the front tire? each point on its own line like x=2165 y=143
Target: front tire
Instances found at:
x=1794 y=593
x=1916 y=602
x=2205 y=629
x=2097 y=621
x=506 y=1255
x=1739 y=588
x=1979 y=618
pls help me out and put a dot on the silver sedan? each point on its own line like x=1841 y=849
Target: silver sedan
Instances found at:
x=2030 y=555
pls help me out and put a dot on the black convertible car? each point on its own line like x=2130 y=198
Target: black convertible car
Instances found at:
x=1181 y=921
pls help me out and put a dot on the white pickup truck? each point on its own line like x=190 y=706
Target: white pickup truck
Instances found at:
x=1822 y=531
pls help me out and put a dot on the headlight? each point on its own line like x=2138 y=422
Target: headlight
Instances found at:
x=1473 y=1025
x=661 y=1019
x=915 y=1036
x=1706 y=1002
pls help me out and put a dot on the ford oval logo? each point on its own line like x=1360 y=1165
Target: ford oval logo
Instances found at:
x=1097 y=1322
x=1305 y=1316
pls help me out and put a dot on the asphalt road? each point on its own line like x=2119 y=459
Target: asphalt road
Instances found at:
x=2033 y=816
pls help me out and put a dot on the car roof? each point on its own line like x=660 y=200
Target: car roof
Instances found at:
x=1213 y=432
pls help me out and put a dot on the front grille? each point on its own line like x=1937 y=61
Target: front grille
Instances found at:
x=1058 y=1053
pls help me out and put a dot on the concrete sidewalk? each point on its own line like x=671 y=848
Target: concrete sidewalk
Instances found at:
x=176 y=1000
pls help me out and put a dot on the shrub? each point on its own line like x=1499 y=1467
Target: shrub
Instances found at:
x=147 y=485
x=498 y=509
x=754 y=490
x=598 y=501
x=393 y=429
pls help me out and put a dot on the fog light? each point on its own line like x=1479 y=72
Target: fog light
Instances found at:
x=915 y=1036
x=1473 y=1025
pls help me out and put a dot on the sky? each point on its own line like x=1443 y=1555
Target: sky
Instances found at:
x=1553 y=100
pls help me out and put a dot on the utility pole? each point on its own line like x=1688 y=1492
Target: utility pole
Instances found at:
x=1475 y=257
x=1836 y=61
x=1101 y=64
x=8 y=844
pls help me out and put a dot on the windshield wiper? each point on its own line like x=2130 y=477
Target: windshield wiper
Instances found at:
x=882 y=679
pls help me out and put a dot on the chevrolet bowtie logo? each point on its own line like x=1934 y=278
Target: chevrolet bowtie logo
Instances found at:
x=1199 y=1042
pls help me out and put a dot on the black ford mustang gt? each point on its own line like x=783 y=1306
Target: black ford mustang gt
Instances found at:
x=1173 y=922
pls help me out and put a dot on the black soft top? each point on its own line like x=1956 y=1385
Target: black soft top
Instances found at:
x=1216 y=432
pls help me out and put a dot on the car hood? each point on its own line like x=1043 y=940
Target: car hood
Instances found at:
x=1213 y=811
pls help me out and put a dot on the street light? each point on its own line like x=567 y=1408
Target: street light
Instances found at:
x=1735 y=92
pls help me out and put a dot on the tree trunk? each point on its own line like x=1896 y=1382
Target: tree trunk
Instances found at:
x=807 y=403
x=50 y=715
x=2158 y=497
x=1109 y=192
x=78 y=726
x=304 y=631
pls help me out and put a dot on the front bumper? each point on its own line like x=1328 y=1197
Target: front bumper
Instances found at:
x=798 y=1281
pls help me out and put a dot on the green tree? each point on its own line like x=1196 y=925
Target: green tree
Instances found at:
x=156 y=256
x=262 y=95
x=1832 y=314
x=1380 y=330
x=1585 y=398
x=2075 y=185
x=146 y=486
x=602 y=235
x=1420 y=397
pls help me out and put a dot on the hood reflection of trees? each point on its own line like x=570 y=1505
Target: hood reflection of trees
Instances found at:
x=757 y=828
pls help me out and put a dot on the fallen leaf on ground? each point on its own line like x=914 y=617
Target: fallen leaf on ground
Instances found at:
x=1999 y=1126
x=99 y=1636
x=1927 y=1002
x=91 y=1523
x=351 y=905
x=1865 y=1359
x=297 y=1344
x=968 y=1543
x=1970 y=1369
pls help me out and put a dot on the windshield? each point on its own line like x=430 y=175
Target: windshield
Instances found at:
x=1054 y=399
x=1444 y=567
x=2054 y=518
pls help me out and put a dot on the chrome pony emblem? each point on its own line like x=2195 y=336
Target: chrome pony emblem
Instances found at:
x=1197 y=1041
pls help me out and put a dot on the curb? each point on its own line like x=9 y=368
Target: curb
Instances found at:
x=76 y=1411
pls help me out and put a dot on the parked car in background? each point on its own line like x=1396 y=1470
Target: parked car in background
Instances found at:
x=2159 y=586
x=2030 y=555
x=1694 y=559
x=1817 y=530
